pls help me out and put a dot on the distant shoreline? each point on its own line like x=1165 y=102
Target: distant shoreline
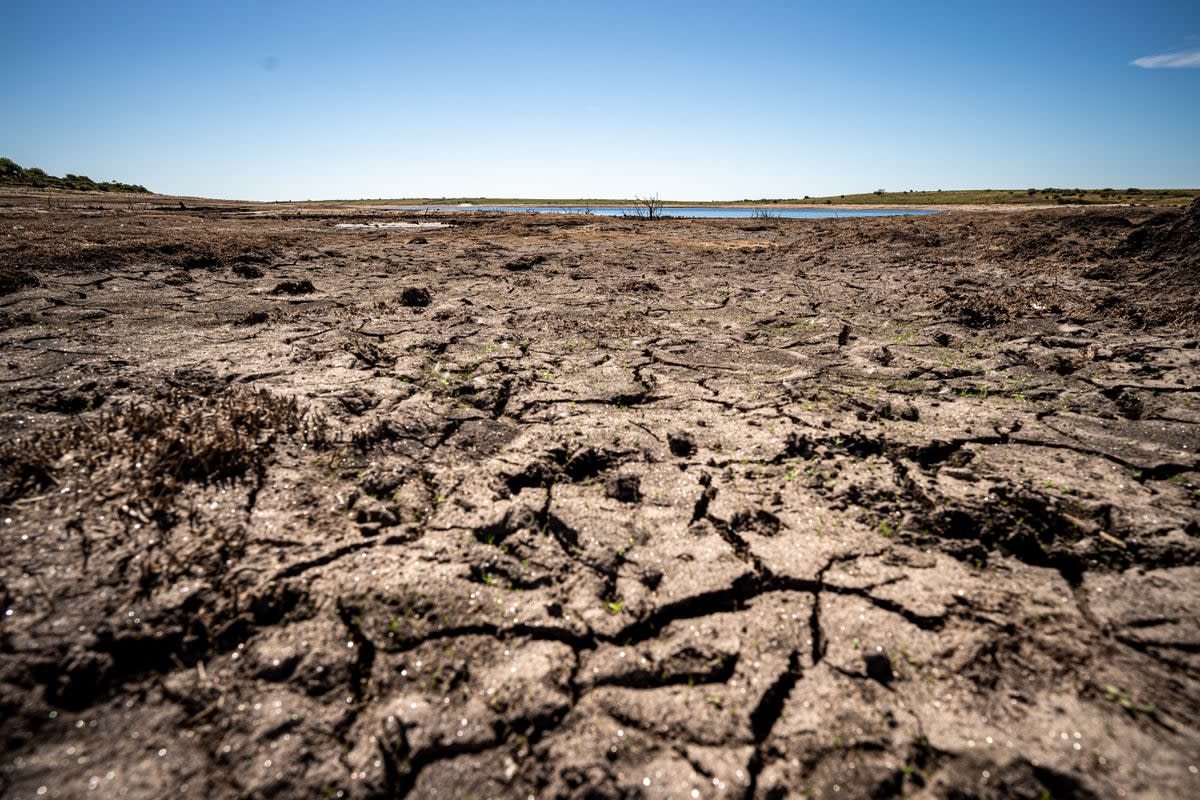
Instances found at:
x=986 y=200
x=936 y=200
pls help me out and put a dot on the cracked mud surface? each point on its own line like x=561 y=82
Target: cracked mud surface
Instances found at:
x=561 y=506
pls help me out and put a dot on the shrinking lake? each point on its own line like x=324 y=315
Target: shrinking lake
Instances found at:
x=703 y=212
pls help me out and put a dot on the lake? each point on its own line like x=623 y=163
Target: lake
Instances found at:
x=703 y=212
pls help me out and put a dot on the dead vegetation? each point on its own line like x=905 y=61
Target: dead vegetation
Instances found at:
x=147 y=452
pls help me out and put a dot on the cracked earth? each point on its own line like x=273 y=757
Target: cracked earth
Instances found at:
x=566 y=506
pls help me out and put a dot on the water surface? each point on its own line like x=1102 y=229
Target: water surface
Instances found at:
x=703 y=212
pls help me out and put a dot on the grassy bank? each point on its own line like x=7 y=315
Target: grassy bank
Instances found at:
x=1016 y=197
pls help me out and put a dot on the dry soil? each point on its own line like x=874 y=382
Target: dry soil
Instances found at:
x=568 y=506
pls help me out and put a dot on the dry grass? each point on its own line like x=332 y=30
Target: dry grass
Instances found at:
x=147 y=452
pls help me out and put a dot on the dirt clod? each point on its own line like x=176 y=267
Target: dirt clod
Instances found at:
x=415 y=296
x=294 y=287
x=879 y=667
x=682 y=444
x=626 y=488
x=248 y=271
x=524 y=264
x=13 y=279
x=254 y=318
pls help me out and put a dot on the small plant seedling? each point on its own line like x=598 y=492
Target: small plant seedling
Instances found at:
x=1114 y=694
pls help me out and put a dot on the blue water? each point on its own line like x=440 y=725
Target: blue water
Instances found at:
x=705 y=212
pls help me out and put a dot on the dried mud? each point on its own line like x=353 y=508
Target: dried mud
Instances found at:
x=561 y=506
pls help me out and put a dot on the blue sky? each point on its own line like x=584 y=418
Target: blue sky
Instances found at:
x=689 y=100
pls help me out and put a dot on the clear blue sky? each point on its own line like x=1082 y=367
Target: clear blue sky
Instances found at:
x=690 y=100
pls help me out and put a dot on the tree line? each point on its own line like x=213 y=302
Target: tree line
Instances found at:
x=13 y=174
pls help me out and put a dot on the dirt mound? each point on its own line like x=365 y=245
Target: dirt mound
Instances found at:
x=1071 y=237
x=1173 y=237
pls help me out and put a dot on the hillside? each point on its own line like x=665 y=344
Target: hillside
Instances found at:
x=13 y=174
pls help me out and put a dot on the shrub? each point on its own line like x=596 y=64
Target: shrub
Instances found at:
x=14 y=174
x=648 y=207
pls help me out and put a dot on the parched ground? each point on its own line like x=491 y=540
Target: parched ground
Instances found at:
x=565 y=506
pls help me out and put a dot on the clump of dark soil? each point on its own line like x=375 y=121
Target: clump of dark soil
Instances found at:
x=639 y=286
x=682 y=444
x=856 y=508
x=248 y=271
x=254 y=318
x=415 y=296
x=294 y=287
x=201 y=260
x=524 y=264
x=13 y=279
